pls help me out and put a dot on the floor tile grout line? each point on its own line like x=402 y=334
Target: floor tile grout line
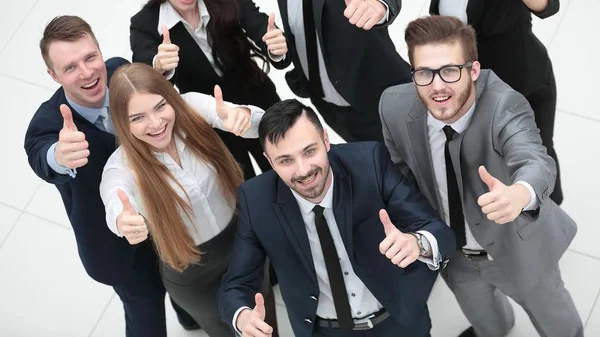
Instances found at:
x=583 y=254
x=34 y=215
x=20 y=216
x=558 y=25
x=577 y=114
x=18 y=27
x=102 y=315
x=587 y=320
x=12 y=77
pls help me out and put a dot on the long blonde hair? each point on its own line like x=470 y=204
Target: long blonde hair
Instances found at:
x=163 y=205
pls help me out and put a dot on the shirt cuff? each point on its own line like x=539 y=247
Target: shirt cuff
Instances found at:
x=434 y=262
x=386 y=17
x=56 y=167
x=169 y=74
x=533 y=204
x=276 y=58
x=235 y=316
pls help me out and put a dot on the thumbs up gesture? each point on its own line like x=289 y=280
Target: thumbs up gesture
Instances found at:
x=130 y=224
x=364 y=13
x=237 y=120
x=502 y=203
x=402 y=249
x=252 y=322
x=167 y=57
x=274 y=38
x=72 y=148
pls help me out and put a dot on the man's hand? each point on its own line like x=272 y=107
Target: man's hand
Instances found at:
x=402 y=249
x=364 y=13
x=167 y=57
x=502 y=203
x=236 y=120
x=72 y=148
x=130 y=224
x=274 y=38
x=252 y=322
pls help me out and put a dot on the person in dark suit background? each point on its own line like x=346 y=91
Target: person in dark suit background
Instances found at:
x=343 y=229
x=343 y=59
x=67 y=142
x=202 y=43
x=506 y=44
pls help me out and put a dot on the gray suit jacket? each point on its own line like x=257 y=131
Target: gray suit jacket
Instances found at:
x=504 y=138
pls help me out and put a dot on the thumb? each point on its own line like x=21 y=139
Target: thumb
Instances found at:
x=348 y=2
x=67 y=118
x=271 y=25
x=260 y=305
x=388 y=226
x=218 y=96
x=487 y=178
x=166 y=36
x=127 y=207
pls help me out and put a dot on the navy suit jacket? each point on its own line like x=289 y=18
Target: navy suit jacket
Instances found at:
x=270 y=224
x=106 y=257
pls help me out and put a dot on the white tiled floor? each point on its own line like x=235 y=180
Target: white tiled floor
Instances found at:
x=44 y=290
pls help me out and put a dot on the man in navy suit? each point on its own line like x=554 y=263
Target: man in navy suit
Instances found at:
x=343 y=230
x=68 y=142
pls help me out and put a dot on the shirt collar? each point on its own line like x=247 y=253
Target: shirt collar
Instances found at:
x=179 y=145
x=459 y=126
x=169 y=17
x=91 y=114
x=306 y=206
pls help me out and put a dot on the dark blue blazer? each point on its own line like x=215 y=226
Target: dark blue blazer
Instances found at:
x=270 y=224
x=106 y=257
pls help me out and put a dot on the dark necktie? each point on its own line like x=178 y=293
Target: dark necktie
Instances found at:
x=334 y=271
x=312 y=57
x=457 y=219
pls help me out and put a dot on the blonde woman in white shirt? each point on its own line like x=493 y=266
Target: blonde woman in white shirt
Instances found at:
x=174 y=181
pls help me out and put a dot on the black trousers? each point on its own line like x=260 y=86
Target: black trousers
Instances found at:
x=543 y=103
x=143 y=297
x=240 y=147
x=349 y=123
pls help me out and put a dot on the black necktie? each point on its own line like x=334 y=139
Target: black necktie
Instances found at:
x=312 y=57
x=334 y=271
x=457 y=219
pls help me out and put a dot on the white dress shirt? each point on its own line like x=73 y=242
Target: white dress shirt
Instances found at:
x=169 y=17
x=211 y=211
x=437 y=142
x=296 y=21
x=456 y=8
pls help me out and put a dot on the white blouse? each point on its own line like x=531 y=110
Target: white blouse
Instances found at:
x=456 y=8
x=211 y=211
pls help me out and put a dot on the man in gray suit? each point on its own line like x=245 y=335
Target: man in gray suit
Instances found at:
x=471 y=145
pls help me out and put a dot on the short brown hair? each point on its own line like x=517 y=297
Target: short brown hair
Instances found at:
x=439 y=29
x=64 y=28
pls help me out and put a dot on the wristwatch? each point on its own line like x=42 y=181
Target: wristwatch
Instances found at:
x=422 y=242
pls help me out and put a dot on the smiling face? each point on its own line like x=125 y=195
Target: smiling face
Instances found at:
x=300 y=159
x=183 y=6
x=78 y=66
x=446 y=102
x=151 y=119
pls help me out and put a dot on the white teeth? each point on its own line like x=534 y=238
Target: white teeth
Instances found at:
x=441 y=99
x=309 y=179
x=91 y=84
x=159 y=132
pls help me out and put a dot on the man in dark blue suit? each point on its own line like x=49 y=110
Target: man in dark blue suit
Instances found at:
x=68 y=142
x=343 y=230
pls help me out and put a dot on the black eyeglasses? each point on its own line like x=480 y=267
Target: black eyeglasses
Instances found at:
x=448 y=74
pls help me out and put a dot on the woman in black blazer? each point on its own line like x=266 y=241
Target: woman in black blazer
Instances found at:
x=213 y=48
x=506 y=44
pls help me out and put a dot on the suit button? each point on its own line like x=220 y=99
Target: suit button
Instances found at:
x=314 y=298
x=308 y=321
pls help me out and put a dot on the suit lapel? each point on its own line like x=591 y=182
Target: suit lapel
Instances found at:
x=342 y=203
x=181 y=37
x=287 y=211
x=419 y=141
